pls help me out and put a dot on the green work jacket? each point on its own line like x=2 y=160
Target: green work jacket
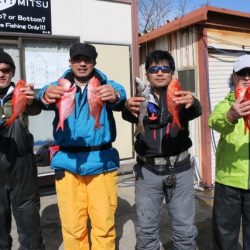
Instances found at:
x=232 y=153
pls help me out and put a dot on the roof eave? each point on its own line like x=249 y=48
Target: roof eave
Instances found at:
x=195 y=17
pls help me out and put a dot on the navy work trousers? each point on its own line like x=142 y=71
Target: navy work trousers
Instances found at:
x=231 y=205
x=19 y=194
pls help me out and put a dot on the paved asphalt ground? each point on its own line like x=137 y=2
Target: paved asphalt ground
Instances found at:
x=125 y=220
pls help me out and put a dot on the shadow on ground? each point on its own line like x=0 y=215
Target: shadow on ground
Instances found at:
x=125 y=221
x=51 y=227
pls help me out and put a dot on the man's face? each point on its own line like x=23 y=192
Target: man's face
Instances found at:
x=158 y=75
x=82 y=66
x=242 y=77
x=6 y=75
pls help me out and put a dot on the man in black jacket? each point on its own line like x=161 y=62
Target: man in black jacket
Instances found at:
x=163 y=168
x=18 y=173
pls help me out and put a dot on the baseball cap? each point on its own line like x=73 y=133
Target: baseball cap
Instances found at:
x=6 y=58
x=241 y=63
x=83 y=49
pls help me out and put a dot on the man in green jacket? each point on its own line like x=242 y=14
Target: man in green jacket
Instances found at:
x=232 y=191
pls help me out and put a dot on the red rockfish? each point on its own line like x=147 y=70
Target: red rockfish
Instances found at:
x=19 y=102
x=95 y=102
x=239 y=92
x=247 y=117
x=66 y=103
x=173 y=109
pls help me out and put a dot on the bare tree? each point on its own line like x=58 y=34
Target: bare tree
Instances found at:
x=153 y=13
x=182 y=7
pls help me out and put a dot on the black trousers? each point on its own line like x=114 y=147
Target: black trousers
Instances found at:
x=231 y=205
x=19 y=194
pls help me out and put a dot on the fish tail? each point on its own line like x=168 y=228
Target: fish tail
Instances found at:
x=177 y=122
x=60 y=125
x=97 y=125
x=10 y=121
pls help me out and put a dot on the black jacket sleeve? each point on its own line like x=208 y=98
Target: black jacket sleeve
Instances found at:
x=127 y=116
x=191 y=113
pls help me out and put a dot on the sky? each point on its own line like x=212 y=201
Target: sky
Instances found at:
x=238 y=5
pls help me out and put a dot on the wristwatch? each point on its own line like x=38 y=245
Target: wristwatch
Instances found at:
x=117 y=95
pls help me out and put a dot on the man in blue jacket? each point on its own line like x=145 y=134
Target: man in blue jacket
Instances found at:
x=86 y=163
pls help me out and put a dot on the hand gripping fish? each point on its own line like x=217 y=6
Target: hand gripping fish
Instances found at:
x=142 y=90
x=173 y=109
x=66 y=103
x=19 y=102
x=95 y=102
x=240 y=94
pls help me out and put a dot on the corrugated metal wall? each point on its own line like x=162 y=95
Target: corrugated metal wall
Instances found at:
x=224 y=48
x=220 y=70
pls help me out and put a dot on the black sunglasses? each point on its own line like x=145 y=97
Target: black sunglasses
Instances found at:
x=155 y=69
x=5 y=70
x=243 y=73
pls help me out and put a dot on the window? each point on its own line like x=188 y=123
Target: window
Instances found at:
x=187 y=79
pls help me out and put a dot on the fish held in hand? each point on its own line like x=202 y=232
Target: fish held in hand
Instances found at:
x=142 y=90
x=19 y=102
x=95 y=102
x=247 y=117
x=239 y=92
x=173 y=108
x=66 y=103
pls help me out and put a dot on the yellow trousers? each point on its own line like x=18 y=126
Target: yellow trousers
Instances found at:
x=82 y=196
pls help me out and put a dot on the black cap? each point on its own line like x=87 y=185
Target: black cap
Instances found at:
x=6 y=58
x=83 y=49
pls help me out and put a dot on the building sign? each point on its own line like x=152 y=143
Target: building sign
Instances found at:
x=25 y=16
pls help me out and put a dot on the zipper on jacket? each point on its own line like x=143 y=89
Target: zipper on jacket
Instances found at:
x=162 y=103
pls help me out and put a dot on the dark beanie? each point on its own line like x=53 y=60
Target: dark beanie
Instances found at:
x=83 y=49
x=6 y=58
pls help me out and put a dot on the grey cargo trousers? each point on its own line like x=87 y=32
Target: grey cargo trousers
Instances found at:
x=149 y=196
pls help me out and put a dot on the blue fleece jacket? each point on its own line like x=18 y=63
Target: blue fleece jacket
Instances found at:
x=79 y=131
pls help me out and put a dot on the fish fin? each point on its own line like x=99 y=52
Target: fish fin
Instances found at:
x=10 y=121
x=139 y=130
x=138 y=80
x=60 y=125
x=177 y=122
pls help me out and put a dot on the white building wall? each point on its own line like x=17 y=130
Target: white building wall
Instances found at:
x=92 y=20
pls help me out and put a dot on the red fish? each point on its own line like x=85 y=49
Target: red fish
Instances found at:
x=95 y=102
x=247 y=117
x=173 y=109
x=66 y=103
x=19 y=102
x=239 y=92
